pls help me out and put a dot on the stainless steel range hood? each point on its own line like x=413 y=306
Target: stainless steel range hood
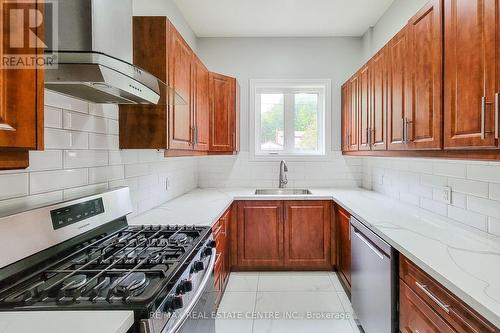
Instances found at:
x=92 y=53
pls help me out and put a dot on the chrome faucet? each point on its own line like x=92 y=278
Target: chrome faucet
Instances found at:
x=283 y=171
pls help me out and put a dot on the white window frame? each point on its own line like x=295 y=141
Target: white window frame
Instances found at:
x=320 y=86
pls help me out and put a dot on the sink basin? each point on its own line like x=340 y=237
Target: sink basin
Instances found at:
x=283 y=191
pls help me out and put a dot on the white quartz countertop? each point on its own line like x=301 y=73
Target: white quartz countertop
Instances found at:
x=464 y=260
x=66 y=321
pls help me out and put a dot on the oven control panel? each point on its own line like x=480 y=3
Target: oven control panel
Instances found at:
x=65 y=216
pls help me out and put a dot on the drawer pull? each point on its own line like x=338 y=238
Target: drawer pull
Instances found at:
x=436 y=300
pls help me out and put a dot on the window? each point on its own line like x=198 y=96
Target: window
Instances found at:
x=289 y=117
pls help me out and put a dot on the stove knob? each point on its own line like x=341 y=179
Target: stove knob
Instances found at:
x=185 y=286
x=198 y=266
x=207 y=252
x=211 y=244
x=177 y=302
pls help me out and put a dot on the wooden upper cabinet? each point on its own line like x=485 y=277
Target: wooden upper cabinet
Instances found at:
x=145 y=126
x=223 y=113
x=202 y=106
x=378 y=91
x=344 y=117
x=307 y=234
x=398 y=93
x=180 y=78
x=260 y=234
x=424 y=110
x=353 y=122
x=364 y=108
x=21 y=90
x=469 y=87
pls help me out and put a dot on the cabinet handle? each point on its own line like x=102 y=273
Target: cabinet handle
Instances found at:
x=404 y=130
x=483 y=117
x=497 y=115
x=6 y=127
x=407 y=130
x=436 y=300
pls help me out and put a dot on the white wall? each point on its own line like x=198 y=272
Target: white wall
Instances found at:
x=81 y=157
x=281 y=58
x=169 y=9
x=396 y=16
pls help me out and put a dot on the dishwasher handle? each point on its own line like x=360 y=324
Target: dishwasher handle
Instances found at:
x=367 y=242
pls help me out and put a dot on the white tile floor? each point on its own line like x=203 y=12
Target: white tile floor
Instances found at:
x=275 y=302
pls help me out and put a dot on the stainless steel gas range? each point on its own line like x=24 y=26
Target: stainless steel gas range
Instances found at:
x=83 y=255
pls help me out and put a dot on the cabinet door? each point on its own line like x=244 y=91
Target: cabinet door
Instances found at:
x=222 y=113
x=20 y=89
x=344 y=122
x=469 y=73
x=398 y=80
x=424 y=113
x=364 y=109
x=378 y=133
x=416 y=316
x=201 y=107
x=354 y=111
x=307 y=234
x=344 y=240
x=180 y=79
x=260 y=234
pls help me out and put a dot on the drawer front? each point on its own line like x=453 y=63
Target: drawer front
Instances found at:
x=415 y=316
x=459 y=315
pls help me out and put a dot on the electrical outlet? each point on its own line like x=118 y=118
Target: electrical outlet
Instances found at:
x=447 y=194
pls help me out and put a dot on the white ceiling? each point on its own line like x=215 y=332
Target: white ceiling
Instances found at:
x=266 y=18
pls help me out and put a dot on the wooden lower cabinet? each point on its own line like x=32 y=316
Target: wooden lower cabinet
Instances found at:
x=343 y=232
x=283 y=235
x=223 y=262
x=416 y=316
x=260 y=234
x=307 y=234
x=426 y=306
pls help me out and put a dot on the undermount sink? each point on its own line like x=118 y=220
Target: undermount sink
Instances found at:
x=283 y=191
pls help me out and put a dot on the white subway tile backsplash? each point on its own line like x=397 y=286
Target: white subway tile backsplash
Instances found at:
x=63 y=139
x=84 y=122
x=103 y=141
x=495 y=192
x=468 y=217
x=136 y=170
x=77 y=192
x=483 y=172
x=47 y=181
x=84 y=158
x=13 y=185
x=475 y=187
x=104 y=110
x=64 y=102
x=494 y=226
x=52 y=117
x=123 y=157
x=106 y=174
x=16 y=205
x=45 y=160
x=484 y=206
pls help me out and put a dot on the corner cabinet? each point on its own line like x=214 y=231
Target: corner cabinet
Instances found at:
x=21 y=95
x=283 y=235
x=205 y=124
x=343 y=243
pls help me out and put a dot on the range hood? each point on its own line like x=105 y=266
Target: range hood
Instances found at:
x=90 y=44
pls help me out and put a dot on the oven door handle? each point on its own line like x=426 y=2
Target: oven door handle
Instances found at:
x=199 y=292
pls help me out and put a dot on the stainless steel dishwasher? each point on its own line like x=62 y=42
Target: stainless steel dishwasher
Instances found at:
x=373 y=280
